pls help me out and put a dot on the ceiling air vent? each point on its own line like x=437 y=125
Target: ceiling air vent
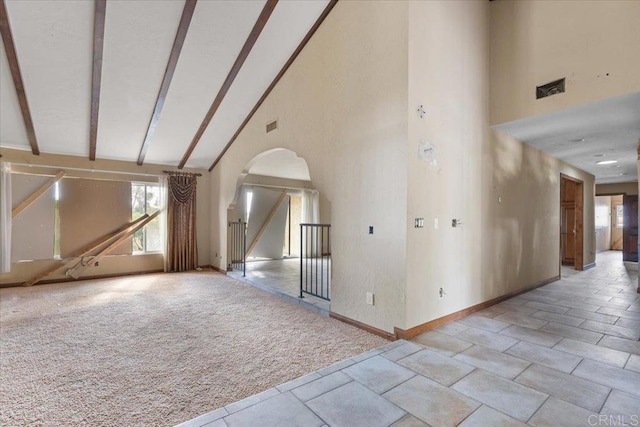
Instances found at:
x=272 y=126
x=549 y=89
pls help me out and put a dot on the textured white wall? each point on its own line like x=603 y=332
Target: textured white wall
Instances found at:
x=348 y=107
x=593 y=44
x=505 y=192
x=342 y=107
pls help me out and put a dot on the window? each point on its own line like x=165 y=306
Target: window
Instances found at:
x=249 y=196
x=145 y=199
x=619 y=216
x=602 y=216
x=56 y=222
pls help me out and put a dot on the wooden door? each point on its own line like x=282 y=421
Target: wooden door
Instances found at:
x=630 y=229
x=568 y=233
x=571 y=222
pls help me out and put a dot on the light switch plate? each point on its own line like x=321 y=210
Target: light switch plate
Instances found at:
x=436 y=223
x=369 y=297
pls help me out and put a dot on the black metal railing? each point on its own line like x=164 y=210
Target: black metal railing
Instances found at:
x=238 y=246
x=315 y=260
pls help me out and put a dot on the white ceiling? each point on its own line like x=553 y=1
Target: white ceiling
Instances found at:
x=587 y=134
x=53 y=41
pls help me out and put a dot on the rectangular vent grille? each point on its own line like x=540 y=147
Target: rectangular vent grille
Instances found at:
x=549 y=89
x=272 y=126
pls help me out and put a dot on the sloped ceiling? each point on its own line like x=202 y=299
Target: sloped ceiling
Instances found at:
x=587 y=134
x=54 y=45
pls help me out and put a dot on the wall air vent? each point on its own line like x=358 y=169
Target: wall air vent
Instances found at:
x=272 y=126
x=549 y=89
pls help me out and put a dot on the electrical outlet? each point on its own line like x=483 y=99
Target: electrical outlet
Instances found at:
x=436 y=223
x=369 y=298
x=371 y=229
x=442 y=293
x=419 y=223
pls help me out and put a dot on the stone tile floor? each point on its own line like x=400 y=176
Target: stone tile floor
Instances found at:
x=282 y=278
x=565 y=354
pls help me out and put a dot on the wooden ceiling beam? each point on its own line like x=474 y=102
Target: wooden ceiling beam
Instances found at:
x=12 y=56
x=235 y=69
x=181 y=34
x=273 y=84
x=98 y=45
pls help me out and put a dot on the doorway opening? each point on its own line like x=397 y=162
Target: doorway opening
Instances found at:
x=571 y=222
x=274 y=197
x=616 y=221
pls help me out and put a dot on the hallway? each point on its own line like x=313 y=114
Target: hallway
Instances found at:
x=564 y=354
x=609 y=265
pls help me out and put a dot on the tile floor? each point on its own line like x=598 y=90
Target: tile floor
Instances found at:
x=281 y=278
x=566 y=354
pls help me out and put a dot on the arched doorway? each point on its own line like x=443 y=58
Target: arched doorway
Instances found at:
x=274 y=196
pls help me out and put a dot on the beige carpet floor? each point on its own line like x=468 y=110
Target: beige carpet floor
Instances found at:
x=154 y=350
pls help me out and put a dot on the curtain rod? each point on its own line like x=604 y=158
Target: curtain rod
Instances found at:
x=182 y=173
x=82 y=169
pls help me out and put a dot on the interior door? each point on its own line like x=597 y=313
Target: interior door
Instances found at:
x=630 y=229
x=568 y=233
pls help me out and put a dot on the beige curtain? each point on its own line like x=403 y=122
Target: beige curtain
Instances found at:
x=182 y=249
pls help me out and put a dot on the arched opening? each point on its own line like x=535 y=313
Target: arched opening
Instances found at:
x=274 y=196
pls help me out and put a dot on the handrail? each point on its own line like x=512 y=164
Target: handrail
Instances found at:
x=315 y=260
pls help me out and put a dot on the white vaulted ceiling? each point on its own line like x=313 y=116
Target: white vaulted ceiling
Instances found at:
x=215 y=37
x=54 y=45
x=137 y=45
x=53 y=41
x=288 y=18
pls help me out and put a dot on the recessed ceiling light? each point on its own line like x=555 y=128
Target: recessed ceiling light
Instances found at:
x=606 y=162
